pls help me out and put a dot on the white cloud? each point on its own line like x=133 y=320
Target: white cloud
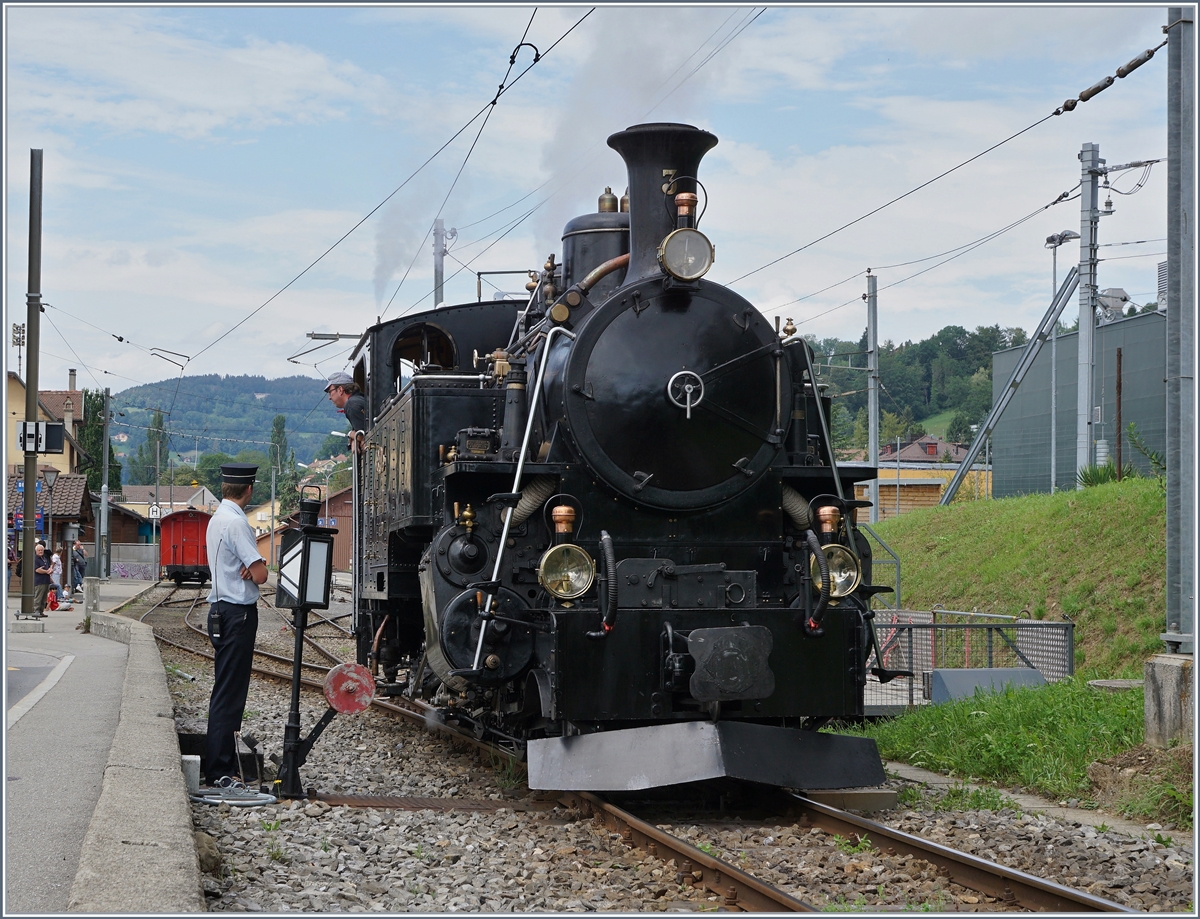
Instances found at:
x=130 y=70
x=823 y=114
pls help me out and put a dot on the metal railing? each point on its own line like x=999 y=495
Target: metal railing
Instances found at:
x=925 y=641
x=876 y=561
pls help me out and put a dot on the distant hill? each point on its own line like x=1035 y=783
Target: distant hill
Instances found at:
x=227 y=414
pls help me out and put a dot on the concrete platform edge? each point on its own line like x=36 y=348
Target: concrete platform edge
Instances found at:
x=139 y=855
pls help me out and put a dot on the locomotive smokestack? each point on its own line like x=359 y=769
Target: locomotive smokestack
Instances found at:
x=654 y=154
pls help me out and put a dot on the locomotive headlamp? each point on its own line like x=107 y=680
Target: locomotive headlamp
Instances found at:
x=567 y=571
x=844 y=571
x=686 y=254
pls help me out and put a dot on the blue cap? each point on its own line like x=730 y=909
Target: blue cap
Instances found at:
x=239 y=473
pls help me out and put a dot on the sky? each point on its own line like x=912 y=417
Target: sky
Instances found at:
x=199 y=158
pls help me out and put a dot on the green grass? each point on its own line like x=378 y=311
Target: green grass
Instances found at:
x=959 y=797
x=850 y=847
x=1042 y=739
x=1096 y=555
x=937 y=424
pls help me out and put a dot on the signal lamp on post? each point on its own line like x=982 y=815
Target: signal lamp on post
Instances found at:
x=305 y=574
x=305 y=561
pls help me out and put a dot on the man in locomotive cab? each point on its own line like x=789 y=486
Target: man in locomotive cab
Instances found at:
x=237 y=570
x=346 y=396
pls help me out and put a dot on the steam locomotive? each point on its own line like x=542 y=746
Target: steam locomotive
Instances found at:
x=605 y=526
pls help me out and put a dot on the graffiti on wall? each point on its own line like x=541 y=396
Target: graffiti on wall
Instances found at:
x=138 y=571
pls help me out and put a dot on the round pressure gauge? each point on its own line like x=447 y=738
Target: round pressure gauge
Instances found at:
x=686 y=254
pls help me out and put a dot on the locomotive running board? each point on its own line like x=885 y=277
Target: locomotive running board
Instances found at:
x=693 y=751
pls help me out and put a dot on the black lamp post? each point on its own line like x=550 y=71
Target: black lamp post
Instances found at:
x=50 y=476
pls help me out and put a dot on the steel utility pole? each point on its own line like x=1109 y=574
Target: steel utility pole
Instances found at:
x=1181 y=332
x=873 y=391
x=440 y=237
x=1089 y=220
x=439 y=254
x=1052 y=243
x=274 y=466
x=157 y=476
x=102 y=526
x=33 y=307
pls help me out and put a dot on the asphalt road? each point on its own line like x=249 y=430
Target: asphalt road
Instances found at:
x=26 y=669
x=56 y=754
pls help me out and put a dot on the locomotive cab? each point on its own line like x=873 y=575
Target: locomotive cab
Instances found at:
x=615 y=537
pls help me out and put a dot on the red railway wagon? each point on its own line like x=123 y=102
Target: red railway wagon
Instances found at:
x=183 y=552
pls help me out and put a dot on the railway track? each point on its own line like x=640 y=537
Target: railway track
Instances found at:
x=1012 y=889
x=741 y=886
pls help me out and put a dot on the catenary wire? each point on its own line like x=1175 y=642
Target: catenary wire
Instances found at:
x=960 y=250
x=1118 y=258
x=71 y=348
x=1068 y=106
x=478 y=134
x=373 y=210
x=564 y=179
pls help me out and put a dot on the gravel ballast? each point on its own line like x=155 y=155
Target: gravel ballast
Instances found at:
x=528 y=855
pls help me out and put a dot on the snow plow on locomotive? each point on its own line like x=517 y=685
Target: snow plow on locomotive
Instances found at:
x=606 y=525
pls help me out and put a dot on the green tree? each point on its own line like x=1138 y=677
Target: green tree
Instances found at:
x=262 y=480
x=331 y=446
x=288 y=486
x=150 y=454
x=862 y=431
x=287 y=475
x=841 y=428
x=959 y=429
x=340 y=478
x=208 y=471
x=91 y=439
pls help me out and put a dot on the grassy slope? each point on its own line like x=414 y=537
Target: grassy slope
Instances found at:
x=937 y=424
x=1097 y=555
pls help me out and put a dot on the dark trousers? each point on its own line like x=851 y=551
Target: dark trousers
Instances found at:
x=232 y=628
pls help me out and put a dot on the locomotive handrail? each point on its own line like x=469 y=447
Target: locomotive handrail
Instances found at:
x=508 y=515
x=812 y=378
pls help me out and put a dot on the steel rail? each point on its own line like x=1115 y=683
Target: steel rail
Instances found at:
x=420 y=714
x=999 y=881
x=258 y=651
x=161 y=602
x=315 y=645
x=695 y=867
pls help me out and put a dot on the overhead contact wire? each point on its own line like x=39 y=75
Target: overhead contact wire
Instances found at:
x=1067 y=106
x=965 y=248
x=373 y=210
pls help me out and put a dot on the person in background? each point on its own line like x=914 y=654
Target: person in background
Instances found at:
x=12 y=563
x=41 y=580
x=349 y=399
x=237 y=570
x=56 y=573
x=78 y=564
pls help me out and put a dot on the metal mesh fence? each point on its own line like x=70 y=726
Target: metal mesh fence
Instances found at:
x=925 y=641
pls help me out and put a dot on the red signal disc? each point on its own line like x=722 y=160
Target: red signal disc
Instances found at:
x=349 y=688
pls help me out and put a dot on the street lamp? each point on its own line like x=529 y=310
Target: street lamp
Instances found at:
x=1052 y=243
x=50 y=476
